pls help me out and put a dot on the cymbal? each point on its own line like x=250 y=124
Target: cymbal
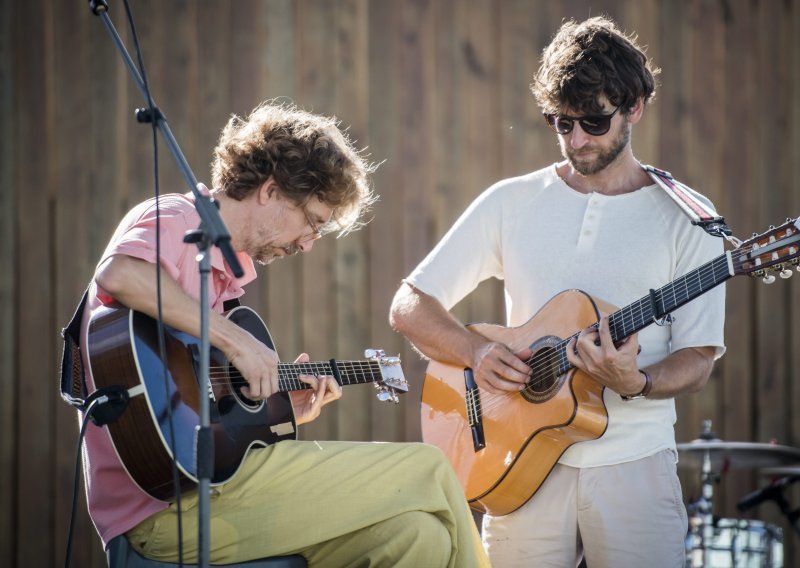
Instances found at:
x=781 y=471
x=736 y=455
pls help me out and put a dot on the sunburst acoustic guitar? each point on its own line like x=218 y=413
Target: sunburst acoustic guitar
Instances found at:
x=123 y=351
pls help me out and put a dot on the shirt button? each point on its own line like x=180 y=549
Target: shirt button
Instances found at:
x=222 y=276
x=587 y=232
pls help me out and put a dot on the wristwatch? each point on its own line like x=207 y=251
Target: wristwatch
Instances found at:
x=648 y=384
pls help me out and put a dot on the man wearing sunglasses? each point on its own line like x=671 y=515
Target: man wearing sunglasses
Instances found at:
x=598 y=223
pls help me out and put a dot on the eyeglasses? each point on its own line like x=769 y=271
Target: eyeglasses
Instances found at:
x=316 y=232
x=594 y=125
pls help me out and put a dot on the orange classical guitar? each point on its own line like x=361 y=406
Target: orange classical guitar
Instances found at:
x=503 y=447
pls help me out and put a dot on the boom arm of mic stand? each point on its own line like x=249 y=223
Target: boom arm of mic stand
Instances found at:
x=212 y=222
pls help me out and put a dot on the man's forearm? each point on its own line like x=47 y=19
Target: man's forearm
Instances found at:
x=685 y=371
x=432 y=330
x=132 y=282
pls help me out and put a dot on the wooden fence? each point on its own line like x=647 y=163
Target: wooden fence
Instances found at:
x=437 y=90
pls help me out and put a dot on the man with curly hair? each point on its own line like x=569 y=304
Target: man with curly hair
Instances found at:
x=595 y=222
x=283 y=178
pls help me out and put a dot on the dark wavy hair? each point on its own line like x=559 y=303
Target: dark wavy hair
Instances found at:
x=307 y=155
x=587 y=60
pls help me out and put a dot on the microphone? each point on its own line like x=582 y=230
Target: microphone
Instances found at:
x=773 y=492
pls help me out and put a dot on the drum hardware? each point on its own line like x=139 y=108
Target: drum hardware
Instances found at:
x=783 y=477
x=734 y=542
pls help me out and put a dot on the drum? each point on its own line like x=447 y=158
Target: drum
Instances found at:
x=735 y=543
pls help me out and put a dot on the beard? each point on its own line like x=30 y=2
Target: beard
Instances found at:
x=265 y=254
x=604 y=158
x=261 y=246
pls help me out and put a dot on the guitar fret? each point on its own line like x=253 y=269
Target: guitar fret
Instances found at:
x=638 y=315
x=349 y=373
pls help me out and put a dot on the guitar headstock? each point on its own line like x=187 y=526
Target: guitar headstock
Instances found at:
x=392 y=379
x=776 y=250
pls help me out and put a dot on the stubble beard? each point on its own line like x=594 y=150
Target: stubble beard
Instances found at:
x=603 y=159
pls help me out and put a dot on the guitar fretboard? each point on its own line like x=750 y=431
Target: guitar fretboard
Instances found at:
x=641 y=313
x=345 y=373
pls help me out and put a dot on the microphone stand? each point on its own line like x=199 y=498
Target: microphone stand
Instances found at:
x=212 y=231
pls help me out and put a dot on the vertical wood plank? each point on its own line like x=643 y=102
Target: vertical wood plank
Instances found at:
x=213 y=80
x=350 y=275
x=8 y=248
x=793 y=337
x=734 y=373
x=316 y=76
x=73 y=263
x=280 y=287
x=415 y=114
x=387 y=265
x=642 y=19
x=526 y=142
x=775 y=182
x=33 y=82
x=774 y=179
x=705 y=113
x=480 y=51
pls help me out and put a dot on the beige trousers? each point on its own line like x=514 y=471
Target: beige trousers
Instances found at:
x=336 y=503
x=629 y=515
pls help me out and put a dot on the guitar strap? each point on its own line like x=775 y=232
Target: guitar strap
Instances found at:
x=73 y=376
x=700 y=213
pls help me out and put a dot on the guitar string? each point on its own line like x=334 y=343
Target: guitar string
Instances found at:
x=703 y=277
x=350 y=372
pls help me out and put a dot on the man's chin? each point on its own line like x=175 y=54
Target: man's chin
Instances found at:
x=266 y=259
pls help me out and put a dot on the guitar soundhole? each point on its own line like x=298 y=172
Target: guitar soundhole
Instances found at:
x=545 y=380
x=237 y=382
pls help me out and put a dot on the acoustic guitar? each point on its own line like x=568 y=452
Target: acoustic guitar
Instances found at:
x=123 y=350
x=503 y=447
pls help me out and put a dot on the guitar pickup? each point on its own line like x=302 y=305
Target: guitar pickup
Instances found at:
x=474 y=414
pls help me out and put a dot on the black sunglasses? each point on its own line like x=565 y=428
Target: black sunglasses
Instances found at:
x=595 y=125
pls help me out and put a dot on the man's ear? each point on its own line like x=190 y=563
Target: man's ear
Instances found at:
x=635 y=114
x=267 y=191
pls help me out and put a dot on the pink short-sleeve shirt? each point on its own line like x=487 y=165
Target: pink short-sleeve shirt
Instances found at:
x=116 y=503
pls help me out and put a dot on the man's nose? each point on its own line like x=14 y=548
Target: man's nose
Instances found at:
x=578 y=138
x=306 y=246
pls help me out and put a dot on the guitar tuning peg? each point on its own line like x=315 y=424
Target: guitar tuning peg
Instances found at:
x=768 y=279
x=785 y=273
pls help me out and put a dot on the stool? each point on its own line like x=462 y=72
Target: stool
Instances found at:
x=120 y=554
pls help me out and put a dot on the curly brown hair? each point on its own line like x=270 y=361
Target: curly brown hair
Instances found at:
x=306 y=154
x=587 y=60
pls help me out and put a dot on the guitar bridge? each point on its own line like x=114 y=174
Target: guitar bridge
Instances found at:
x=474 y=414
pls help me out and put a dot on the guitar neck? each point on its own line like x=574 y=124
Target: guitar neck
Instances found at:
x=641 y=313
x=345 y=373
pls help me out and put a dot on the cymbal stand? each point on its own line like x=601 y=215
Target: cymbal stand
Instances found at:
x=704 y=505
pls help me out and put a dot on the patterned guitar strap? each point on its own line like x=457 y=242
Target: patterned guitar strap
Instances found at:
x=686 y=198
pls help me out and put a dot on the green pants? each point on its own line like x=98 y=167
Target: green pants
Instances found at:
x=336 y=503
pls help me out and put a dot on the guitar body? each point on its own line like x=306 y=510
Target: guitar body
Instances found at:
x=123 y=350
x=524 y=435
